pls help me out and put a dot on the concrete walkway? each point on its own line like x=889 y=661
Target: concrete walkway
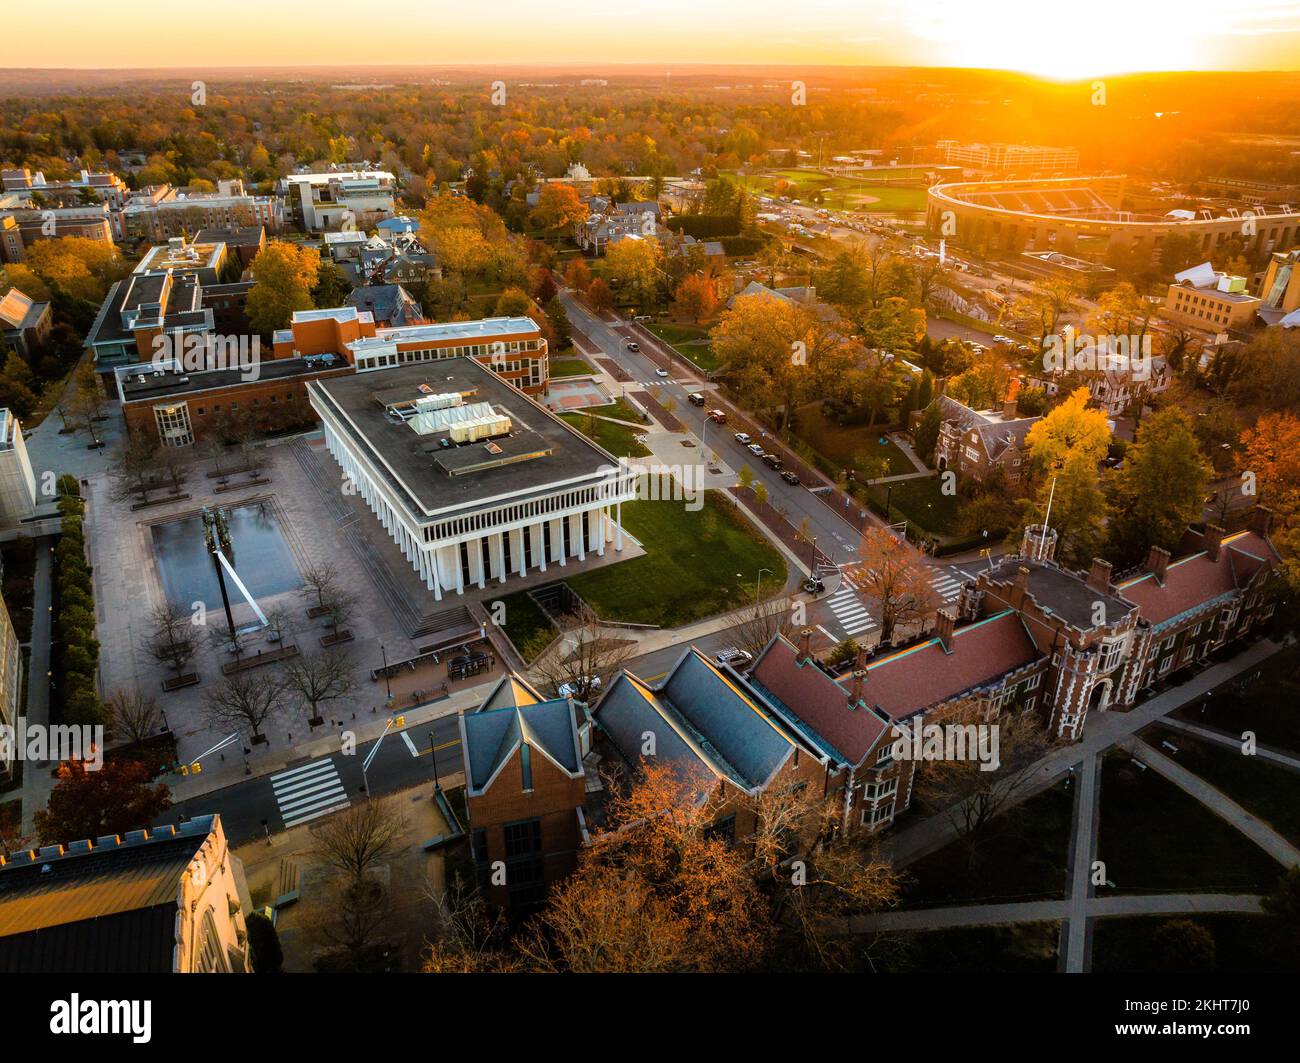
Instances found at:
x=1102 y=731
x=1222 y=738
x=1083 y=850
x=1216 y=801
x=1037 y=911
x=37 y=781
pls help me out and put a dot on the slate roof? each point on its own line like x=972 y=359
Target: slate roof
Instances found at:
x=391 y=304
x=19 y=311
x=490 y=737
x=1195 y=579
x=702 y=716
x=110 y=907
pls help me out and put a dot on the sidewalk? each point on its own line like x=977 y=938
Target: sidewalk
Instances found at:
x=1222 y=738
x=37 y=781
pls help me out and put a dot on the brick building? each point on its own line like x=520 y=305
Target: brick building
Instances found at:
x=973 y=443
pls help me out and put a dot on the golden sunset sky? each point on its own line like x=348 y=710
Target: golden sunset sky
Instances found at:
x=1054 y=38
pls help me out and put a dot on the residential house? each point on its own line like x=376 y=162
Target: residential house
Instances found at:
x=25 y=324
x=975 y=443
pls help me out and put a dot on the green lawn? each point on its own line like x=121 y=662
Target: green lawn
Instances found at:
x=1270 y=791
x=525 y=624
x=618 y=439
x=851 y=446
x=696 y=564
x=922 y=502
x=570 y=367
x=618 y=409
x=843 y=193
x=1020 y=948
x=1266 y=707
x=1154 y=838
x=1244 y=944
x=1022 y=858
x=690 y=341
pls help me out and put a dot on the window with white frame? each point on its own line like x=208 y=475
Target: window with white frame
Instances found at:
x=1111 y=653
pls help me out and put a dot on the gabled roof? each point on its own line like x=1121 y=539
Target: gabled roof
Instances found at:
x=1196 y=579
x=18 y=311
x=701 y=716
x=490 y=737
x=897 y=686
x=511 y=691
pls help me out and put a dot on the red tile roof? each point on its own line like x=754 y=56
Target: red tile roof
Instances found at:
x=1195 y=579
x=898 y=685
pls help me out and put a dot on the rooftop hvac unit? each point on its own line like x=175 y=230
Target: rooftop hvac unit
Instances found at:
x=427 y=403
x=480 y=428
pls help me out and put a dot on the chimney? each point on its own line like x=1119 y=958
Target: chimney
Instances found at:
x=855 y=694
x=1158 y=563
x=805 y=645
x=1213 y=541
x=1009 y=410
x=1099 y=577
x=1261 y=520
x=944 y=621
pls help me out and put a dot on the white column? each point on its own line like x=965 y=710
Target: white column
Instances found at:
x=460 y=572
x=479 y=563
x=582 y=535
x=435 y=577
x=501 y=558
x=523 y=560
x=538 y=531
x=557 y=540
x=618 y=528
x=598 y=520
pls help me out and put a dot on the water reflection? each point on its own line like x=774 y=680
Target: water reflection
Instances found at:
x=260 y=556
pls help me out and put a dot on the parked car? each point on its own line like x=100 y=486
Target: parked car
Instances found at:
x=742 y=438
x=755 y=449
x=632 y=345
x=790 y=478
x=661 y=372
x=813 y=585
x=718 y=416
x=772 y=461
x=735 y=657
x=696 y=399
x=569 y=690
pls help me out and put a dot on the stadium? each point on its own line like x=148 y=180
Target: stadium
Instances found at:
x=1082 y=216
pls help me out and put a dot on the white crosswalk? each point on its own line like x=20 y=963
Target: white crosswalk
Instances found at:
x=309 y=792
x=656 y=383
x=852 y=616
x=946 y=585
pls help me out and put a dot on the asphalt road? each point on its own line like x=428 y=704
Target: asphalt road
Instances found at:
x=310 y=788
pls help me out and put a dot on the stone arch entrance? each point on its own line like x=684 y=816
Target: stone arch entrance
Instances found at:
x=1099 y=698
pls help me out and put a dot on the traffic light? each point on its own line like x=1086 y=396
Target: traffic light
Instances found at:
x=400 y=721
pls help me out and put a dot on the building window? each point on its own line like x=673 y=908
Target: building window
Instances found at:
x=526 y=766
x=174 y=429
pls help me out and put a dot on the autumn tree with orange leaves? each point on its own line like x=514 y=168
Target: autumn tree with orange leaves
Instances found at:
x=1270 y=468
x=890 y=572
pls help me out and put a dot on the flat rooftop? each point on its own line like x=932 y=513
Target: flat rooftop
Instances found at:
x=165 y=383
x=539 y=452
x=445 y=331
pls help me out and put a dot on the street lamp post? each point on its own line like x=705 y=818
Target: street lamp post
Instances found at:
x=758 y=585
x=388 y=686
x=433 y=757
x=889 y=491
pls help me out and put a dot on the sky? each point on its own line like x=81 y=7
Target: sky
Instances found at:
x=1064 y=39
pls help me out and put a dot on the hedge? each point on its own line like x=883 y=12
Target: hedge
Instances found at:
x=76 y=656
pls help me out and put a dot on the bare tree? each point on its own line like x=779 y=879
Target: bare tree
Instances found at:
x=892 y=574
x=133 y=715
x=470 y=938
x=321 y=582
x=584 y=659
x=323 y=677
x=761 y=622
x=243 y=700
x=280 y=623
x=132 y=469
x=970 y=795
x=356 y=840
x=171 y=636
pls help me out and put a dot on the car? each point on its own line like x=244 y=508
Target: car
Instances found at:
x=734 y=656
x=1007 y=340
x=790 y=478
x=742 y=438
x=632 y=345
x=569 y=690
x=719 y=416
x=695 y=400
x=661 y=372
x=772 y=461
x=813 y=585
x=755 y=449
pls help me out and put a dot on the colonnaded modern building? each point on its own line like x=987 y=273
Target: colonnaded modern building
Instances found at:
x=472 y=478
x=1085 y=215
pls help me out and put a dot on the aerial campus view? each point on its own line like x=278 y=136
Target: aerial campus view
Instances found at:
x=719 y=489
